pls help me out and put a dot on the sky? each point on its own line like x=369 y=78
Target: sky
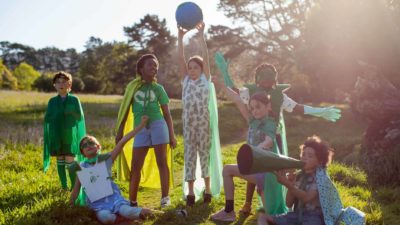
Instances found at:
x=69 y=23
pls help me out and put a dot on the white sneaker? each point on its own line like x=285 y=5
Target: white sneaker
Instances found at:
x=166 y=201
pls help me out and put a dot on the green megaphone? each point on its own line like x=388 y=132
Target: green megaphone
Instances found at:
x=252 y=160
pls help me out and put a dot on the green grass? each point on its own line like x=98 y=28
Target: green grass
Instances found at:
x=28 y=196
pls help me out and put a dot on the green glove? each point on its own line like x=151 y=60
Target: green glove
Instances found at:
x=329 y=113
x=223 y=65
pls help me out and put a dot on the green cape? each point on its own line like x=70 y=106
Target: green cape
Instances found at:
x=215 y=164
x=150 y=176
x=64 y=127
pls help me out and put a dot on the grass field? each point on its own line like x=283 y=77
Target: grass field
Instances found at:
x=28 y=196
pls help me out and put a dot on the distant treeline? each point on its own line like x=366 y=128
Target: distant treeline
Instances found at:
x=316 y=45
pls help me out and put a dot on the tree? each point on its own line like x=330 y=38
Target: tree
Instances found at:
x=151 y=35
x=273 y=27
x=89 y=66
x=53 y=59
x=377 y=102
x=13 y=54
x=339 y=34
x=77 y=84
x=26 y=76
x=7 y=80
x=44 y=82
x=263 y=31
x=112 y=64
x=93 y=84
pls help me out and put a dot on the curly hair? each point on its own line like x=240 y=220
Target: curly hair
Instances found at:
x=321 y=148
x=142 y=60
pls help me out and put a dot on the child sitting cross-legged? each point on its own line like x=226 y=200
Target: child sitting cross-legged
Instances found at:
x=102 y=194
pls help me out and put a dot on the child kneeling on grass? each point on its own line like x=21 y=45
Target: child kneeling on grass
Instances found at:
x=102 y=194
x=311 y=193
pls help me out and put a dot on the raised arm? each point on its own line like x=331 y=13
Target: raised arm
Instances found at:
x=234 y=97
x=117 y=149
x=181 y=53
x=329 y=113
x=204 y=50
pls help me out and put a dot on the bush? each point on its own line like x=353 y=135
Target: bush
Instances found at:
x=382 y=165
x=26 y=76
x=7 y=79
x=93 y=85
x=77 y=84
x=44 y=83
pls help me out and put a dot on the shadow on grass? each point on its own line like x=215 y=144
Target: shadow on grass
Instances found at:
x=58 y=212
x=196 y=215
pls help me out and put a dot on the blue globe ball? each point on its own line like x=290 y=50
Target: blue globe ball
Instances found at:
x=188 y=15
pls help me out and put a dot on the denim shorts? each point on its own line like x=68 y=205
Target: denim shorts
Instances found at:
x=154 y=134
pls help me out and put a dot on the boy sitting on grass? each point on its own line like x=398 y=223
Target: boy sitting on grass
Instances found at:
x=102 y=194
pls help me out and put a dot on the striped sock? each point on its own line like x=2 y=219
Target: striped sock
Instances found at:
x=72 y=175
x=62 y=174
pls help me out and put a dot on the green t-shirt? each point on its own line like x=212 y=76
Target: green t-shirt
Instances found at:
x=147 y=101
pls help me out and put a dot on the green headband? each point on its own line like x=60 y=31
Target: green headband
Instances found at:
x=266 y=74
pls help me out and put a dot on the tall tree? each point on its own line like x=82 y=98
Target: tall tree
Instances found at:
x=54 y=59
x=13 y=54
x=151 y=35
x=341 y=33
x=262 y=31
x=272 y=27
x=106 y=67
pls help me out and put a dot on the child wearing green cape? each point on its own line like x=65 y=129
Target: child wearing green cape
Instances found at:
x=151 y=146
x=266 y=80
x=261 y=133
x=200 y=124
x=64 y=126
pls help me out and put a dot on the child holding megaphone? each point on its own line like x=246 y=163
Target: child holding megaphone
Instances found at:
x=311 y=194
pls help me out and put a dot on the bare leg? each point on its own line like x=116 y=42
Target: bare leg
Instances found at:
x=228 y=173
x=137 y=164
x=207 y=183
x=161 y=158
x=246 y=208
x=250 y=187
x=191 y=187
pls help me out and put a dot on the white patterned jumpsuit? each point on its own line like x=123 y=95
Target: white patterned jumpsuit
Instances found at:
x=196 y=126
